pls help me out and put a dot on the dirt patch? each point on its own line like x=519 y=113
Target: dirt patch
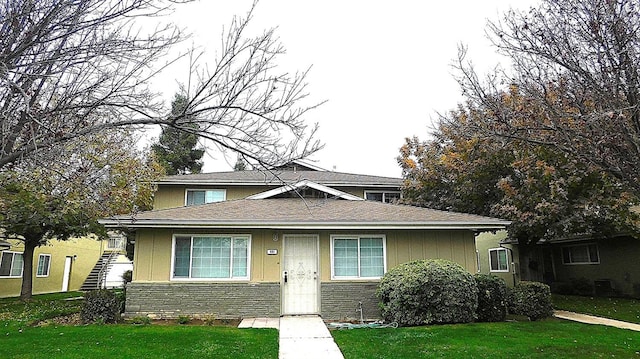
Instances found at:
x=71 y=319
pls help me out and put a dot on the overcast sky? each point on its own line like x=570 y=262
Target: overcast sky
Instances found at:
x=384 y=67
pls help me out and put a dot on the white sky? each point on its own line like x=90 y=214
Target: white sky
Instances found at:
x=383 y=66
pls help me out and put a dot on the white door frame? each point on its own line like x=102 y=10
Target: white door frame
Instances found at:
x=314 y=274
x=66 y=274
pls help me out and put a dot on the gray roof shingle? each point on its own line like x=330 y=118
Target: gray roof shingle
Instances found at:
x=256 y=177
x=308 y=213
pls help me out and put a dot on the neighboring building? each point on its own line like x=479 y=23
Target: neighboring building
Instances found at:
x=62 y=266
x=498 y=257
x=589 y=266
x=298 y=240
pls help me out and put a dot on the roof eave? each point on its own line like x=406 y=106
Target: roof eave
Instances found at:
x=478 y=227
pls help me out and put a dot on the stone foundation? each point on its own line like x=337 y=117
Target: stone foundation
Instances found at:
x=339 y=300
x=202 y=300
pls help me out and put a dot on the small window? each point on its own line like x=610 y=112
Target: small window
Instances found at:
x=358 y=257
x=44 y=262
x=580 y=254
x=386 y=197
x=211 y=257
x=498 y=260
x=202 y=196
x=11 y=264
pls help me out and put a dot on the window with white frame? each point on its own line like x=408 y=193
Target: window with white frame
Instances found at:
x=382 y=196
x=211 y=257
x=11 y=264
x=498 y=260
x=44 y=262
x=580 y=254
x=202 y=196
x=358 y=257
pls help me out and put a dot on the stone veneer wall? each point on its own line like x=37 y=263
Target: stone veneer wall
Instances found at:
x=339 y=300
x=219 y=300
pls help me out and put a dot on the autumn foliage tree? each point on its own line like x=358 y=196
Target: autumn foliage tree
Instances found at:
x=41 y=202
x=545 y=192
x=578 y=64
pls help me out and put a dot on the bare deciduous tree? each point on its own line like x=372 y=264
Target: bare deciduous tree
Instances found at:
x=579 y=63
x=70 y=69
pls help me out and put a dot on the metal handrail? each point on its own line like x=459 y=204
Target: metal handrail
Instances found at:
x=102 y=283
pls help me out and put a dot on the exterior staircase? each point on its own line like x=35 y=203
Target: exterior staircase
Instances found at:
x=96 y=279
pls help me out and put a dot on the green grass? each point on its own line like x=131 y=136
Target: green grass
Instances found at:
x=614 y=308
x=131 y=341
x=15 y=313
x=20 y=338
x=543 y=339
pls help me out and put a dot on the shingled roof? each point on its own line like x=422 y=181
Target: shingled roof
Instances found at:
x=296 y=213
x=270 y=178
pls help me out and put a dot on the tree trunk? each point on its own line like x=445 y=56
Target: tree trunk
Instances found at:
x=27 y=272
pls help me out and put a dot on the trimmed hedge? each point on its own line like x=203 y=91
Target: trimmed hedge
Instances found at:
x=492 y=298
x=101 y=306
x=428 y=292
x=531 y=299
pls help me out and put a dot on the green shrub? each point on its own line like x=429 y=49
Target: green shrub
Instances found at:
x=101 y=306
x=531 y=299
x=426 y=292
x=127 y=277
x=183 y=319
x=492 y=298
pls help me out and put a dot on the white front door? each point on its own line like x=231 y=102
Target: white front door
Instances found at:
x=300 y=277
x=66 y=275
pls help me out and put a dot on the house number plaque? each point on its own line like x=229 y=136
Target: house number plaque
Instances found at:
x=272 y=252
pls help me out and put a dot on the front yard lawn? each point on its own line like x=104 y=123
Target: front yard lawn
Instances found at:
x=624 y=309
x=131 y=341
x=550 y=338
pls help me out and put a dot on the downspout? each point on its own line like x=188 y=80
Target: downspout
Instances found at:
x=513 y=264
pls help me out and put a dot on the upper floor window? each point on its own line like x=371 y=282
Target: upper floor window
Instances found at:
x=202 y=196
x=498 y=260
x=11 y=264
x=44 y=263
x=580 y=254
x=382 y=196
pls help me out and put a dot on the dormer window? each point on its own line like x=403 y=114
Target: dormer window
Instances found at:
x=202 y=196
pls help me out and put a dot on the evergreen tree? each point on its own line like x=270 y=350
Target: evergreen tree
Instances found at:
x=176 y=148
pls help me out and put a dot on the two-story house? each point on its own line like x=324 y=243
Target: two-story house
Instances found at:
x=294 y=240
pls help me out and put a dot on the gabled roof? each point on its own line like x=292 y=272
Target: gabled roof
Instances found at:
x=276 y=178
x=296 y=213
x=302 y=184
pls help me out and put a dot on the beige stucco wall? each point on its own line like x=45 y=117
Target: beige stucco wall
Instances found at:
x=86 y=250
x=489 y=240
x=152 y=262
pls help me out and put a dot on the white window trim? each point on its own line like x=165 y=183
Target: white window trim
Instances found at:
x=48 y=266
x=358 y=236
x=399 y=193
x=223 y=190
x=192 y=235
x=12 y=264
x=579 y=263
x=498 y=270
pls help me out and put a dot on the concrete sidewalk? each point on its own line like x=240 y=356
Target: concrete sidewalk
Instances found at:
x=590 y=319
x=300 y=336
x=306 y=337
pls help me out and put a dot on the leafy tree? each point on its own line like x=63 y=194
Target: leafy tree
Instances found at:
x=240 y=165
x=175 y=149
x=578 y=64
x=40 y=202
x=544 y=192
x=70 y=69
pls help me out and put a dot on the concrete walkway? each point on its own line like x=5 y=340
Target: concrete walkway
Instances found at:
x=304 y=336
x=589 y=319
